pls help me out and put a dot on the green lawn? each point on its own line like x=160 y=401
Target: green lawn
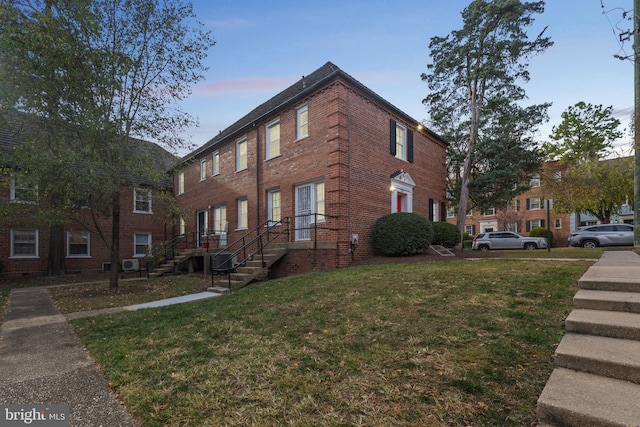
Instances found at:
x=462 y=343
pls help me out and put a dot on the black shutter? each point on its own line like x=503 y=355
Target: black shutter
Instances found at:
x=431 y=210
x=542 y=223
x=528 y=226
x=473 y=229
x=409 y=146
x=528 y=206
x=392 y=137
x=443 y=211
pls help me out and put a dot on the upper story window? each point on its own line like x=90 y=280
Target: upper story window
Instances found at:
x=142 y=200
x=489 y=212
x=302 y=122
x=24 y=243
x=535 y=181
x=243 y=214
x=535 y=203
x=180 y=182
x=400 y=141
x=241 y=154
x=78 y=243
x=203 y=169
x=215 y=163
x=23 y=192
x=513 y=205
x=273 y=139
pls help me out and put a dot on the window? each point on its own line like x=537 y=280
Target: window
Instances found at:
x=215 y=163
x=241 y=154
x=183 y=226
x=242 y=214
x=220 y=219
x=78 y=243
x=470 y=229
x=489 y=212
x=141 y=200
x=180 y=182
x=273 y=139
x=535 y=223
x=274 y=206
x=557 y=175
x=451 y=212
x=302 y=122
x=142 y=242
x=319 y=195
x=24 y=243
x=401 y=142
x=513 y=206
x=203 y=169
x=535 y=181
x=557 y=223
x=535 y=203
x=512 y=226
x=23 y=192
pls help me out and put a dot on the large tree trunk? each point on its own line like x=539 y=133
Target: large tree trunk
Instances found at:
x=115 y=240
x=55 y=262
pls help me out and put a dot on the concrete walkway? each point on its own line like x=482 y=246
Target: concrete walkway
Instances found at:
x=43 y=362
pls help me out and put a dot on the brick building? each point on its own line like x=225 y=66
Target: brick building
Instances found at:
x=526 y=212
x=325 y=158
x=24 y=243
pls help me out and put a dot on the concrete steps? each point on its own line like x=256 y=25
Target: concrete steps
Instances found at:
x=254 y=269
x=597 y=379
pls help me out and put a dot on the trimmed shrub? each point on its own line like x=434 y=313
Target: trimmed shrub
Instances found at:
x=401 y=234
x=542 y=232
x=445 y=234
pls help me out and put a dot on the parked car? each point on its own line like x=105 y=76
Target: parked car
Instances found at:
x=592 y=236
x=507 y=240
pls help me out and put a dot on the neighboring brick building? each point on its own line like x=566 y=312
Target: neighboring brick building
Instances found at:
x=525 y=212
x=325 y=152
x=24 y=246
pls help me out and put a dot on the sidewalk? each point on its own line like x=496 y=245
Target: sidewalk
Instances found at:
x=43 y=362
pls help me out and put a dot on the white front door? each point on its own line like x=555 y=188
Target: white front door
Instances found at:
x=304 y=211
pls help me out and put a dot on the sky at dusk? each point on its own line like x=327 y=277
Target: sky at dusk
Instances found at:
x=263 y=46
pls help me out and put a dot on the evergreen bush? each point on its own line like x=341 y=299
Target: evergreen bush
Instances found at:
x=445 y=234
x=401 y=234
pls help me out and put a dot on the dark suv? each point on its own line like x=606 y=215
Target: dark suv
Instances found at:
x=593 y=236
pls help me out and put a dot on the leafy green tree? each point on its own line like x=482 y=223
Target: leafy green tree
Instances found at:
x=586 y=132
x=103 y=71
x=599 y=188
x=476 y=102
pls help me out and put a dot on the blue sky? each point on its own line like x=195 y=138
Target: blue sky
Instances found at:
x=263 y=46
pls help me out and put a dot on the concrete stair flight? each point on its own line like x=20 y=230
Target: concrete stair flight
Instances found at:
x=254 y=269
x=597 y=377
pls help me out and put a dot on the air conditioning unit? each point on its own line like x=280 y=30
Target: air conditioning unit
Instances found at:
x=130 y=264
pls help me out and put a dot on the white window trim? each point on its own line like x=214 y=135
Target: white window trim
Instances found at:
x=12 y=193
x=268 y=127
x=239 y=204
x=149 y=243
x=270 y=207
x=215 y=163
x=180 y=183
x=135 y=199
x=37 y=244
x=540 y=204
x=238 y=157
x=203 y=169
x=69 y=254
x=299 y=111
x=401 y=130
x=557 y=223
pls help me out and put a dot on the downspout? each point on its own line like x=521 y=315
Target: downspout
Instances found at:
x=257 y=174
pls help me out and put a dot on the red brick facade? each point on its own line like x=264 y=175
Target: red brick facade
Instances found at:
x=131 y=222
x=346 y=154
x=527 y=211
